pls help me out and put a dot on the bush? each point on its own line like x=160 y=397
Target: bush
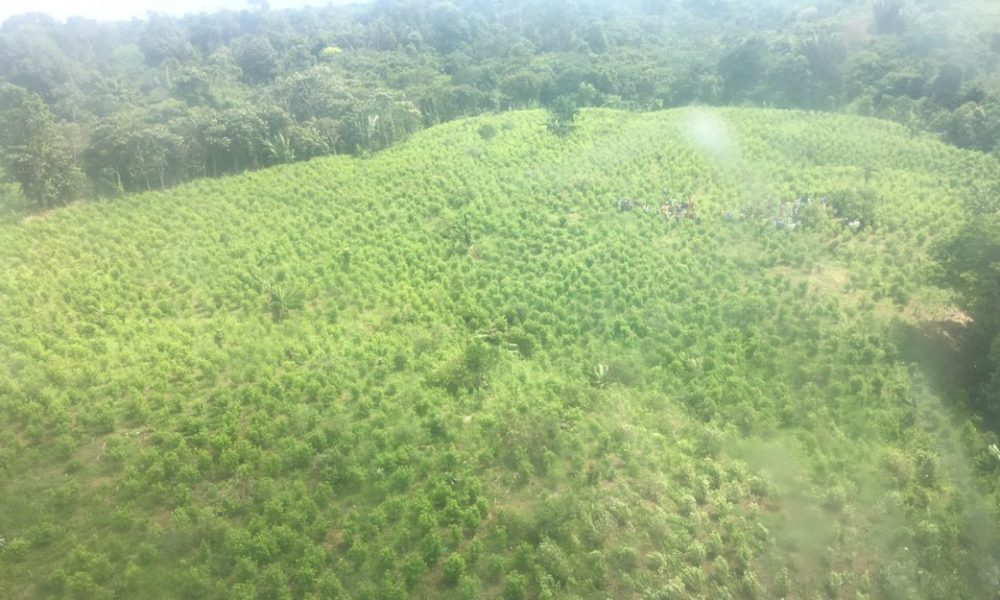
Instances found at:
x=470 y=587
x=453 y=568
x=627 y=558
x=15 y=550
x=487 y=131
x=562 y=115
x=515 y=587
x=413 y=569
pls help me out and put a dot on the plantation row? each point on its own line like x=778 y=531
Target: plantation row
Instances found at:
x=457 y=370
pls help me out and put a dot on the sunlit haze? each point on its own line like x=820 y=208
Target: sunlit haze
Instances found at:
x=112 y=11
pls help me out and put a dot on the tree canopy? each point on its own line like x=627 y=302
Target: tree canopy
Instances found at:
x=229 y=91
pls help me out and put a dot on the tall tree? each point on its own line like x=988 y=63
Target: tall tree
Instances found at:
x=742 y=69
x=37 y=152
x=257 y=58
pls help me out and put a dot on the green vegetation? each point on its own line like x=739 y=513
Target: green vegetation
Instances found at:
x=90 y=108
x=971 y=264
x=457 y=369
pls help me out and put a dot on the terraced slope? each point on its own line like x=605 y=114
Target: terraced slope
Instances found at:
x=458 y=369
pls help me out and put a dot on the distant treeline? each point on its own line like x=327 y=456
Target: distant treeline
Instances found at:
x=107 y=108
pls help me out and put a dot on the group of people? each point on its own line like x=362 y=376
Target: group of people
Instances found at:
x=785 y=214
x=669 y=208
x=780 y=215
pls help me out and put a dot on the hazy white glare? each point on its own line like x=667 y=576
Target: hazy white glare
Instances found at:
x=709 y=133
x=113 y=11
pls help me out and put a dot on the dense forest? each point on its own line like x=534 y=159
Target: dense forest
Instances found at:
x=103 y=108
x=503 y=299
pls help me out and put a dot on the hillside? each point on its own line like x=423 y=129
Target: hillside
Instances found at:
x=461 y=368
x=100 y=109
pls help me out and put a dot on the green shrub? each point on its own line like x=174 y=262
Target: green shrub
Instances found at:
x=15 y=550
x=453 y=568
x=487 y=131
x=515 y=587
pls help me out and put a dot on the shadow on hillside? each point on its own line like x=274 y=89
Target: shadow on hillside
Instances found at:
x=949 y=352
x=939 y=347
